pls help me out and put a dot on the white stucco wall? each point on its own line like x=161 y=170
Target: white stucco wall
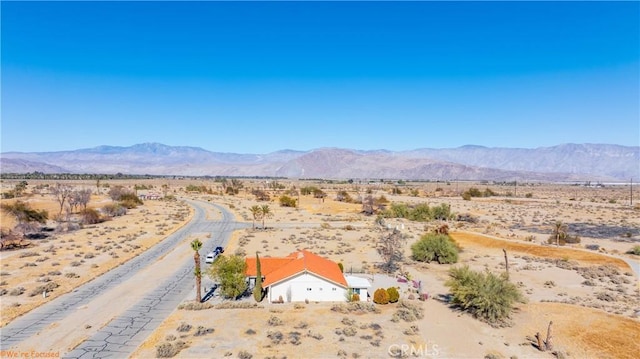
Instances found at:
x=362 y=292
x=307 y=286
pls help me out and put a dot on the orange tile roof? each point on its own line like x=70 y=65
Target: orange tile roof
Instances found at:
x=276 y=270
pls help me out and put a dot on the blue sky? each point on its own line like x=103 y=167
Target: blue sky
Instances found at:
x=263 y=76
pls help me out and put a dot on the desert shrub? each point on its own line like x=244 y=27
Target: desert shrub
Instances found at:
x=344 y=196
x=274 y=321
x=350 y=331
x=203 y=331
x=237 y=305
x=635 y=250
x=250 y=331
x=243 y=354
x=408 y=312
x=380 y=296
x=355 y=307
x=41 y=289
x=275 y=336
x=393 y=293
x=286 y=201
x=113 y=210
x=17 y=291
x=486 y=296
x=169 y=350
x=184 y=327
x=294 y=338
x=341 y=266
x=466 y=196
x=435 y=247
x=90 y=216
x=29 y=254
x=195 y=306
x=130 y=200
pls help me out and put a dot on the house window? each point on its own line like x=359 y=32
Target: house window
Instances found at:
x=333 y=289
x=320 y=288
x=308 y=289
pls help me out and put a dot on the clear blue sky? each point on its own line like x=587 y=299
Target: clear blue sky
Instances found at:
x=259 y=77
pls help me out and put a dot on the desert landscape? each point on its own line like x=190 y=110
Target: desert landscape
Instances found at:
x=590 y=290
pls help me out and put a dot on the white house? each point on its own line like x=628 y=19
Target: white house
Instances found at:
x=298 y=277
x=359 y=286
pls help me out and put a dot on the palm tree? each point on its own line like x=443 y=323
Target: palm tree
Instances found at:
x=265 y=212
x=256 y=211
x=196 y=245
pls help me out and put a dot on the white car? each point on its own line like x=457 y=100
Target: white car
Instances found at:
x=210 y=257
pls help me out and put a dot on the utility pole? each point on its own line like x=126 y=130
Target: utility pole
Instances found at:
x=631 y=189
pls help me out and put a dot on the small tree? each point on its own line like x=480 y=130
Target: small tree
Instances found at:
x=255 y=213
x=230 y=273
x=559 y=231
x=196 y=245
x=435 y=247
x=390 y=249
x=257 y=290
x=26 y=216
x=265 y=212
x=61 y=193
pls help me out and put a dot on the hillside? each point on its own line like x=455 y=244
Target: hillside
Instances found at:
x=567 y=162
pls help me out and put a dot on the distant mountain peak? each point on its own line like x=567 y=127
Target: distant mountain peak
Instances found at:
x=562 y=162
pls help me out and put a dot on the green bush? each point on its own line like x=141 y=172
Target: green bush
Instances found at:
x=130 y=200
x=380 y=296
x=341 y=266
x=435 y=247
x=635 y=250
x=286 y=201
x=394 y=296
x=486 y=296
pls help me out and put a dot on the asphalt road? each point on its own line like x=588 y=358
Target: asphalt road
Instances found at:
x=133 y=323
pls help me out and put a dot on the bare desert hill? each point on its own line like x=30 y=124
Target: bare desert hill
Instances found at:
x=566 y=162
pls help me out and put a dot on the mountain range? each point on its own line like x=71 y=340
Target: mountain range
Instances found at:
x=565 y=162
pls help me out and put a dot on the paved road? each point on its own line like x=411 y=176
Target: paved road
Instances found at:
x=141 y=311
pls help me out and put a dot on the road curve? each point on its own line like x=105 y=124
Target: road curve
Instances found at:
x=111 y=315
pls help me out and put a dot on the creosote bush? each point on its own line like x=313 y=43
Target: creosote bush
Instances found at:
x=380 y=296
x=393 y=293
x=485 y=295
x=435 y=247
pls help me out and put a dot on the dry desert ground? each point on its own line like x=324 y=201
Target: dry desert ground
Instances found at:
x=591 y=295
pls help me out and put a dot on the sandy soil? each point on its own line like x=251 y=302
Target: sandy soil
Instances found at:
x=562 y=284
x=70 y=259
x=552 y=279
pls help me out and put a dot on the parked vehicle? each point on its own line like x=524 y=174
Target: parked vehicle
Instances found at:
x=211 y=256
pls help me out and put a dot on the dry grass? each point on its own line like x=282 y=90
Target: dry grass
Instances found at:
x=86 y=252
x=475 y=239
x=584 y=332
